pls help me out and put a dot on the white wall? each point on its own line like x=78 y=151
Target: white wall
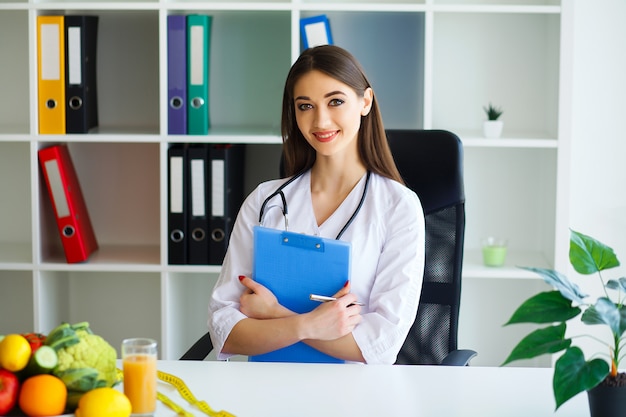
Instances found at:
x=598 y=153
x=598 y=164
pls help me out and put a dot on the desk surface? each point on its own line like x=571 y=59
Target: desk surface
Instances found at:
x=272 y=389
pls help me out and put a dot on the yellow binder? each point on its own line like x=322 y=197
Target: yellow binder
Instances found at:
x=51 y=74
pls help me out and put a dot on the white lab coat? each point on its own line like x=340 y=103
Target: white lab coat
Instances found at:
x=387 y=239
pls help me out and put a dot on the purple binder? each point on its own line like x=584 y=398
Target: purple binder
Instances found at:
x=177 y=74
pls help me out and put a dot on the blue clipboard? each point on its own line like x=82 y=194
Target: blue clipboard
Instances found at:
x=293 y=266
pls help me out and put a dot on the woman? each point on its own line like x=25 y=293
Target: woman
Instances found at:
x=336 y=155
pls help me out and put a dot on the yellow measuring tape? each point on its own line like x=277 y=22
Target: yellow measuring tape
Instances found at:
x=184 y=392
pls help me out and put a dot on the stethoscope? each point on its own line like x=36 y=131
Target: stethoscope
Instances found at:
x=279 y=191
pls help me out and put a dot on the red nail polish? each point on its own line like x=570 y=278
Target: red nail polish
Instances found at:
x=241 y=277
x=346 y=284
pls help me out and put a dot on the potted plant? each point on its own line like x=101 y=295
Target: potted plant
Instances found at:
x=572 y=373
x=492 y=127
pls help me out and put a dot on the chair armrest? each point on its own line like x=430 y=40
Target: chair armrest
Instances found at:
x=459 y=357
x=200 y=349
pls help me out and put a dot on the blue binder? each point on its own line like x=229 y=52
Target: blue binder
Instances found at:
x=293 y=266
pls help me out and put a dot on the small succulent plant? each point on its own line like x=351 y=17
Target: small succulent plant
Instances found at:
x=493 y=112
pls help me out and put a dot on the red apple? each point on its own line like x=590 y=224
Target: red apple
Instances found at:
x=9 y=387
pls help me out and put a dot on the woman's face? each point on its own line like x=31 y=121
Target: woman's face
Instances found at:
x=328 y=113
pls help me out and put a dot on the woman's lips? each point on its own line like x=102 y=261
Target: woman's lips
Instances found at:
x=326 y=136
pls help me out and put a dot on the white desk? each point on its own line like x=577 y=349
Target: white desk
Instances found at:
x=301 y=390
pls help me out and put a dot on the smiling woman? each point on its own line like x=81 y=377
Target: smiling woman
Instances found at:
x=343 y=184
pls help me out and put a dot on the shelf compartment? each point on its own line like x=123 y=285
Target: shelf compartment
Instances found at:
x=390 y=47
x=485 y=306
x=14 y=106
x=510 y=194
x=116 y=305
x=498 y=60
x=15 y=204
x=186 y=309
x=16 y=301
x=127 y=70
x=248 y=64
x=120 y=184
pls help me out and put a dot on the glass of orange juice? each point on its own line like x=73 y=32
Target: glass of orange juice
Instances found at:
x=139 y=360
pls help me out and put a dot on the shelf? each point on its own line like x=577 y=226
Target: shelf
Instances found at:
x=473 y=267
x=433 y=64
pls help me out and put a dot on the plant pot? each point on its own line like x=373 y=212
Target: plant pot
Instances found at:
x=492 y=128
x=607 y=400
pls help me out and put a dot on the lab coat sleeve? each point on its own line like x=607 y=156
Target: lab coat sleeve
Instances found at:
x=397 y=287
x=224 y=302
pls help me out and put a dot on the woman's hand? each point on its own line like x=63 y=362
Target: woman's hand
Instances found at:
x=335 y=319
x=257 y=302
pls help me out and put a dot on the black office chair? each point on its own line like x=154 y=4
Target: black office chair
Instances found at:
x=431 y=163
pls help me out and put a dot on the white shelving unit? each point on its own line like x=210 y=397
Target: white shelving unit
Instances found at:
x=433 y=64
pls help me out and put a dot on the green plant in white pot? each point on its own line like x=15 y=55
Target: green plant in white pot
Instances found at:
x=573 y=374
x=492 y=127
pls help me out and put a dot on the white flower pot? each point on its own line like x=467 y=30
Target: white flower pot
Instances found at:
x=492 y=128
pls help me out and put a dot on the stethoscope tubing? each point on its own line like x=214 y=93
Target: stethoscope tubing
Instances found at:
x=279 y=191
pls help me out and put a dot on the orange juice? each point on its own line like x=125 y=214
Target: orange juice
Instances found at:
x=140 y=380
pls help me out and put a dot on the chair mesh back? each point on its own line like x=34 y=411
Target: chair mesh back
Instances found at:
x=431 y=163
x=434 y=332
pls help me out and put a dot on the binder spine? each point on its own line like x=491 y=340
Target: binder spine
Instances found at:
x=177 y=205
x=198 y=204
x=177 y=74
x=198 y=37
x=227 y=165
x=81 y=105
x=51 y=74
x=72 y=217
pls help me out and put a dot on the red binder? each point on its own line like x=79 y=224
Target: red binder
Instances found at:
x=77 y=235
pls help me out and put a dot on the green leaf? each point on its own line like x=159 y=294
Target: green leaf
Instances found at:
x=545 y=307
x=606 y=312
x=617 y=284
x=572 y=375
x=559 y=281
x=547 y=340
x=588 y=255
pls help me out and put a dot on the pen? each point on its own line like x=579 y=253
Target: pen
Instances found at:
x=323 y=299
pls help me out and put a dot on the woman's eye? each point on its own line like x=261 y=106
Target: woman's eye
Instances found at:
x=336 y=102
x=304 y=106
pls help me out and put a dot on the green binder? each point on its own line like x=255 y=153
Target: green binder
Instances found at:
x=198 y=37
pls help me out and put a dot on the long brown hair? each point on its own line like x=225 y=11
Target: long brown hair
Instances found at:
x=339 y=64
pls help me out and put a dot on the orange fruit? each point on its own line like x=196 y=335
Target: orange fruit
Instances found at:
x=15 y=352
x=42 y=395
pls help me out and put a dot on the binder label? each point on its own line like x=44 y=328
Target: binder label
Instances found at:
x=197 y=188
x=57 y=189
x=316 y=34
x=197 y=56
x=74 y=55
x=176 y=184
x=50 y=52
x=217 y=188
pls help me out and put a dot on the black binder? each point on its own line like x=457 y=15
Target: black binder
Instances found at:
x=227 y=165
x=198 y=204
x=81 y=95
x=177 y=205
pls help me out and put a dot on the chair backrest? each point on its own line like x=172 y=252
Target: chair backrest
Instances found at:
x=431 y=164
